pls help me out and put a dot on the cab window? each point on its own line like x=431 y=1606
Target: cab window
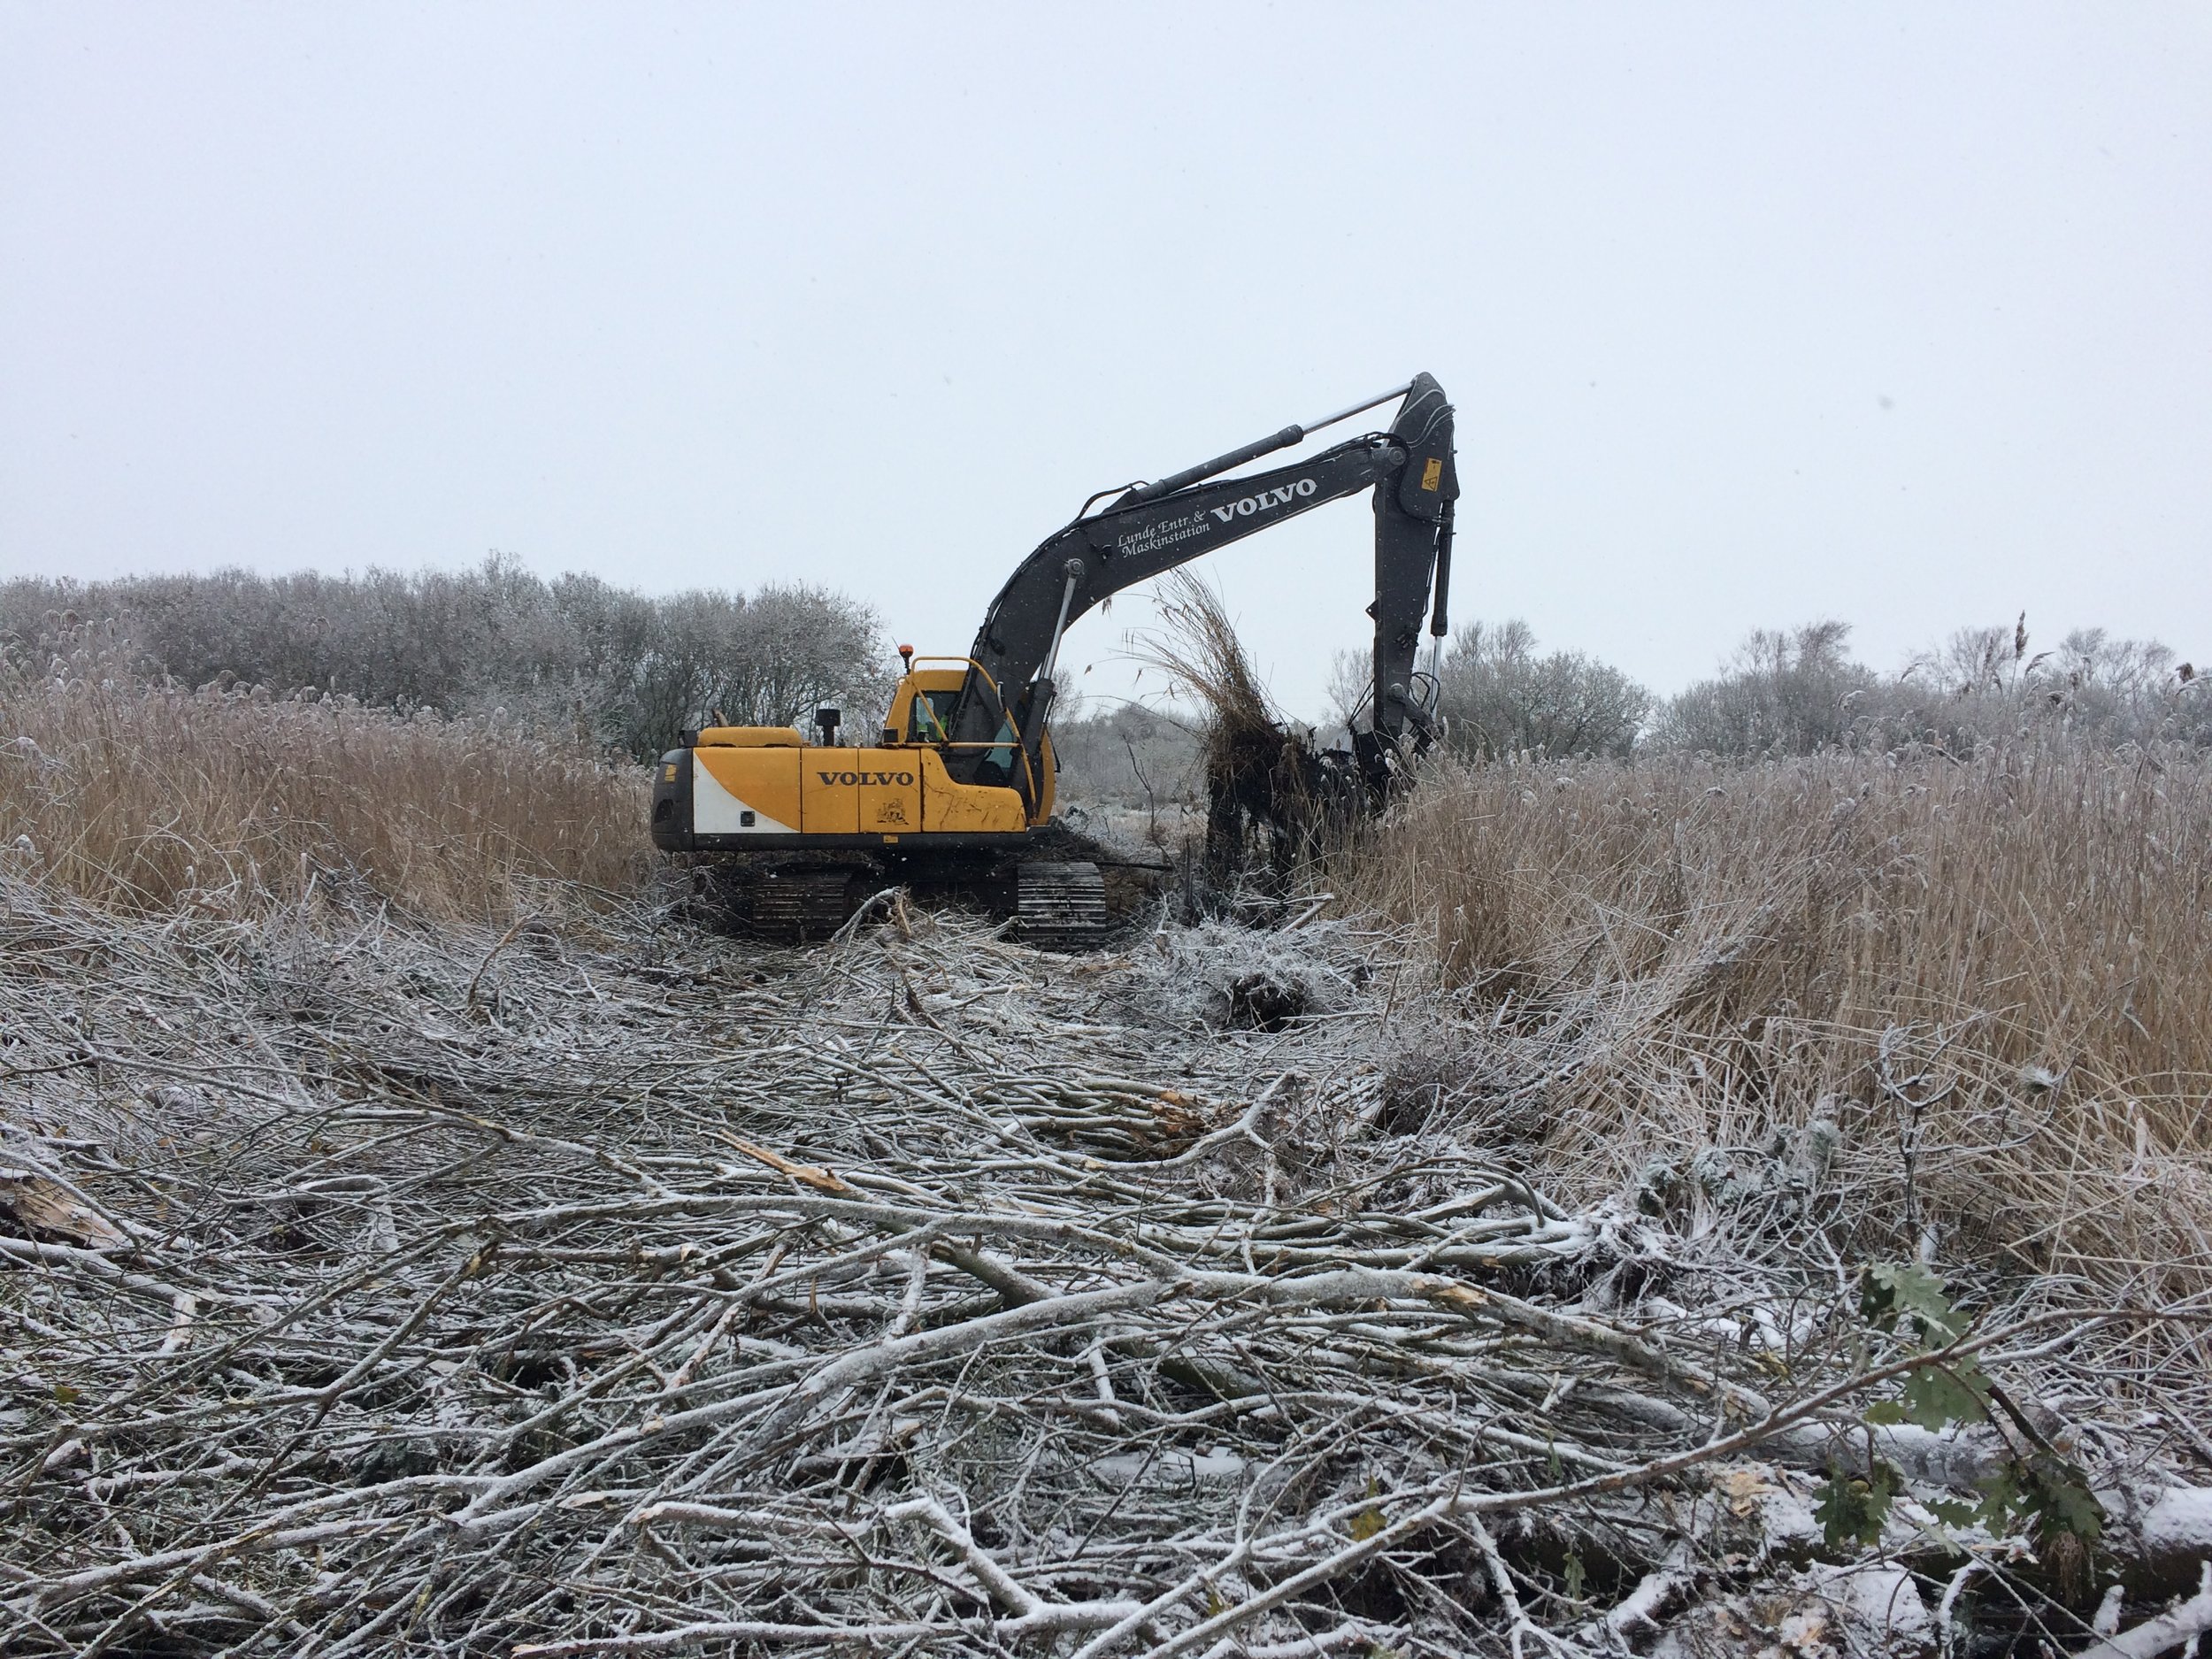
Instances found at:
x=926 y=720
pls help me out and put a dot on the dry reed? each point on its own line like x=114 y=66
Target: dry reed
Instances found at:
x=1992 y=977
x=1198 y=647
x=145 y=798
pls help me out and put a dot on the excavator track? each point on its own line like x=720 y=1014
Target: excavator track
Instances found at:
x=1060 y=906
x=801 y=906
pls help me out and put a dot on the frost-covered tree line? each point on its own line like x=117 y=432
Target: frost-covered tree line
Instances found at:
x=1798 y=690
x=1784 y=691
x=578 y=653
x=631 y=669
x=1795 y=691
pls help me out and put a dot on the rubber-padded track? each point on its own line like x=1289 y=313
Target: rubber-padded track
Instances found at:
x=801 y=906
x=1060 y=906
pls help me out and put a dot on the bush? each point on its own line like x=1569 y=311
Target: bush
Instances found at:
x=1498 y=697
x=1131 y=755
x=1789 y=692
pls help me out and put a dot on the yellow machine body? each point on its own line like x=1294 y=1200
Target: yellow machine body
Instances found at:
x=767 y=787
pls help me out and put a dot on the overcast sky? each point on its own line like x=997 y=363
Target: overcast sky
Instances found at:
x=1751 y=314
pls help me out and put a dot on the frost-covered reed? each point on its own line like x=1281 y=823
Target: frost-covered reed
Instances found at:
x=1993 y=974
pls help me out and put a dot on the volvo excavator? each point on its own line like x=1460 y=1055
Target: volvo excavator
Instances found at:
x=955 y=795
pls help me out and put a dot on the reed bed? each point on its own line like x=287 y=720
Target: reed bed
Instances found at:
x=145 y=797
x=1988 y=980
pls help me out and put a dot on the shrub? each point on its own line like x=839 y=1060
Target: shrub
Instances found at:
x=1498 y=697
x=1788 y=692
x=1797 y=692
x=1129 y=755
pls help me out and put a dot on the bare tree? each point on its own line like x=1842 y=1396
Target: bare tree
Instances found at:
x=1498 y=697
x=1787 y=692
x=1799 y=691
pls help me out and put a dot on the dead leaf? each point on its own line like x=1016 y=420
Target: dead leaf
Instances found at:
x=43 y=1205
x=1744 y=1489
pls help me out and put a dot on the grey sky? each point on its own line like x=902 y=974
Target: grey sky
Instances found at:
x=1751 y=314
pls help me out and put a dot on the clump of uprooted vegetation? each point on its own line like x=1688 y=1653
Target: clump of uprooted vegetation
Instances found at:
x=143 y=795
x=1272 y=796
x=1985 y=979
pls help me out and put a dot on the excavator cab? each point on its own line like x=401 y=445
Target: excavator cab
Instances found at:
x=922 y=706
x=922 y=711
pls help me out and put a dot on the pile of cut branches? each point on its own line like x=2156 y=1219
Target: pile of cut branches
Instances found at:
x=374 y=1290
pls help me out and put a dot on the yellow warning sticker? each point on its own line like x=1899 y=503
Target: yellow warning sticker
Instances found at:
x=1433 y=472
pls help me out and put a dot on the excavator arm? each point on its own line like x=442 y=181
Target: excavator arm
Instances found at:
x=1151 y=528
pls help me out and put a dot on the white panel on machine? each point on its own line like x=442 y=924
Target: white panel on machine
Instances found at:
x=716 y=811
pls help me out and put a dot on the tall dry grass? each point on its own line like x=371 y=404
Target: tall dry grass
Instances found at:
x=1992 y=978
x=144 y=797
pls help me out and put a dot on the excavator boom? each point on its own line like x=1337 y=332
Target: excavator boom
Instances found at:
x=1149 y=529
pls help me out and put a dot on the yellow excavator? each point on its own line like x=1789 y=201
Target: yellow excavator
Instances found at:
x=955 y=795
